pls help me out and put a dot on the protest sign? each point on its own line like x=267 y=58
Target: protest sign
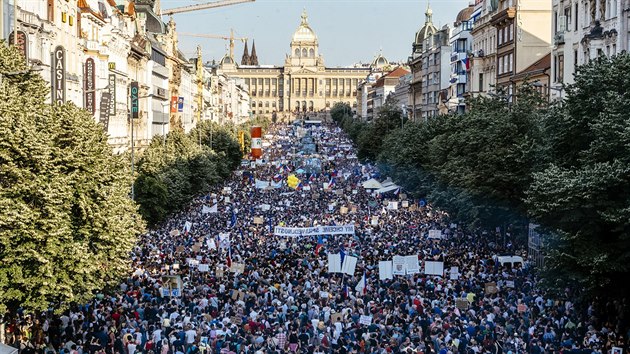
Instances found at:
x=616 y=350
x=374 y=221
x=411 y=264
x=365 y=320
x=203 y=268
x=454 y=273
x=385 y=270
x=334 y=263
x=196 y=247
x=219 y=272
x=398 y=263
x=343 y=210
x=434 y=268
x=392 y=205
x=174 y=233
x=336 y=317
x=509 y=283
x=349 y=265
x=491 y=288
x=435 y=234
x=405 y=204
x=462 y=303
x=258 y=220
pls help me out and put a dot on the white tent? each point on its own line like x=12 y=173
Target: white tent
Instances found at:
x=388 y=182
x=389 y=188
x=6 y=349
x=372 y=184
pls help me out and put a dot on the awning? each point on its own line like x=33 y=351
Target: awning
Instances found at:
x=372 y=184
x=387 y=189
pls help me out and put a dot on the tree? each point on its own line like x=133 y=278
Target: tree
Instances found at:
x=340 y=110
x=67 y=223
x=584 y=193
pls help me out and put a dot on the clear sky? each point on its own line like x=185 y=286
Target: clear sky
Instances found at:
x=349 y=31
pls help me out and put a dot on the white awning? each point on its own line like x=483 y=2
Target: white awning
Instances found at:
x=387 y=189
x=372 y=184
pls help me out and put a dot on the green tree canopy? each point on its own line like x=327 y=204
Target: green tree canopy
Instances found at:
x=584 y=193
x=67 y=223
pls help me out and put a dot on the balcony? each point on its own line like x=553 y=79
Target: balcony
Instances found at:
x=558 y=39
x=91 y=45
x=458 y=56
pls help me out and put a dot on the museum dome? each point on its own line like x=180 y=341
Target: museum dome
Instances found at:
x=304 y=33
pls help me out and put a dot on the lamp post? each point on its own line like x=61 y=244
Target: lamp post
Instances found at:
x=550 y=88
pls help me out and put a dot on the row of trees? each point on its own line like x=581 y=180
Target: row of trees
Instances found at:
x=67 y=223
x=507 y=162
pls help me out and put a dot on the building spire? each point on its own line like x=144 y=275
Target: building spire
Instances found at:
x=304 y=17
x=245 y=60
x=429 y=13
x=253 y=59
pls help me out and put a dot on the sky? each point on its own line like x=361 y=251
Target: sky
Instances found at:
x=349 y=31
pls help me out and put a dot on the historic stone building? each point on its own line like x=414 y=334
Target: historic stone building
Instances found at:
x=303 y=84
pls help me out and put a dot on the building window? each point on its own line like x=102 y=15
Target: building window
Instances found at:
x=481 y=82
x=311 y=53
x=304 y=52
x=297 y=52
x=575 y=22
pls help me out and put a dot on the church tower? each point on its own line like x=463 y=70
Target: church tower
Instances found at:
x=425 y=31
x=245 y=58
x=253 y=59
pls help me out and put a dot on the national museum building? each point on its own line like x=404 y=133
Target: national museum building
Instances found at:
x=303 y=84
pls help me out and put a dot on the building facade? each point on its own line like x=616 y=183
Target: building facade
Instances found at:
x=416 y=64
x=583 y=30
x=303 y=84
x=482 y=74
x=523 y=37
x=435 y=72
x=461 y=43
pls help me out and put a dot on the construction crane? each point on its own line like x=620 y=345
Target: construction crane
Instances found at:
x=231 y=38
x=209 y=5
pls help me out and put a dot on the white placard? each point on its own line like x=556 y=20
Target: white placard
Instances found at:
x=334 y=263
x=434 y=268
x=392 y=206
x=405 y=204
x=365 y=320
x=412 y=265
x=374 y=221
x=398 y=263
x=265 y=207
x=509 y=283
x=436 y=234
x=203 y=268
x=349 y=265
x=385 y=270
x=454 y=273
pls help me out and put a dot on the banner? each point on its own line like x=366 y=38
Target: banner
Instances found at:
x=262 y=184
x=314 y=231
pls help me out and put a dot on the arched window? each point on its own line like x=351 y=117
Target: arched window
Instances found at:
x=297 y=52
x=311 y=53
x=310 y=106
x=304 y=106
x=297 y=105
x=304 y=53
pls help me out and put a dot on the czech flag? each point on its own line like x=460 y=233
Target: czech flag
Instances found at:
x=320 y=244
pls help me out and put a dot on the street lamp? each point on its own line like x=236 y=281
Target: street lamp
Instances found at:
x=133 y=145
x=558 y=89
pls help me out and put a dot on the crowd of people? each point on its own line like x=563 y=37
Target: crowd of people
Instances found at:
x=216 y=278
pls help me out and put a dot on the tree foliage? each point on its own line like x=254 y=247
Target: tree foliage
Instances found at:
x=584 y=193
x=175 y=169
x=67 y=223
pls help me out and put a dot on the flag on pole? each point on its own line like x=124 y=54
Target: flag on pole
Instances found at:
x=361 y=287
x=346 y=293
x=342 y=254
x=228 y=261
x=233 y=219
x=320 y=244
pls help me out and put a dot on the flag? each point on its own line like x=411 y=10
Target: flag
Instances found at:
x=397 y=191
x=313 y=177
x=228 y=261
x=342 y=253
x=233 y=220
x=331 y=183
x=187 y=227
x=320 y=244
x=346 y=294
x=299 y=186
x=361 y=287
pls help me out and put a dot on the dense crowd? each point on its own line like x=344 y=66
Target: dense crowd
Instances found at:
x=283 y=299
